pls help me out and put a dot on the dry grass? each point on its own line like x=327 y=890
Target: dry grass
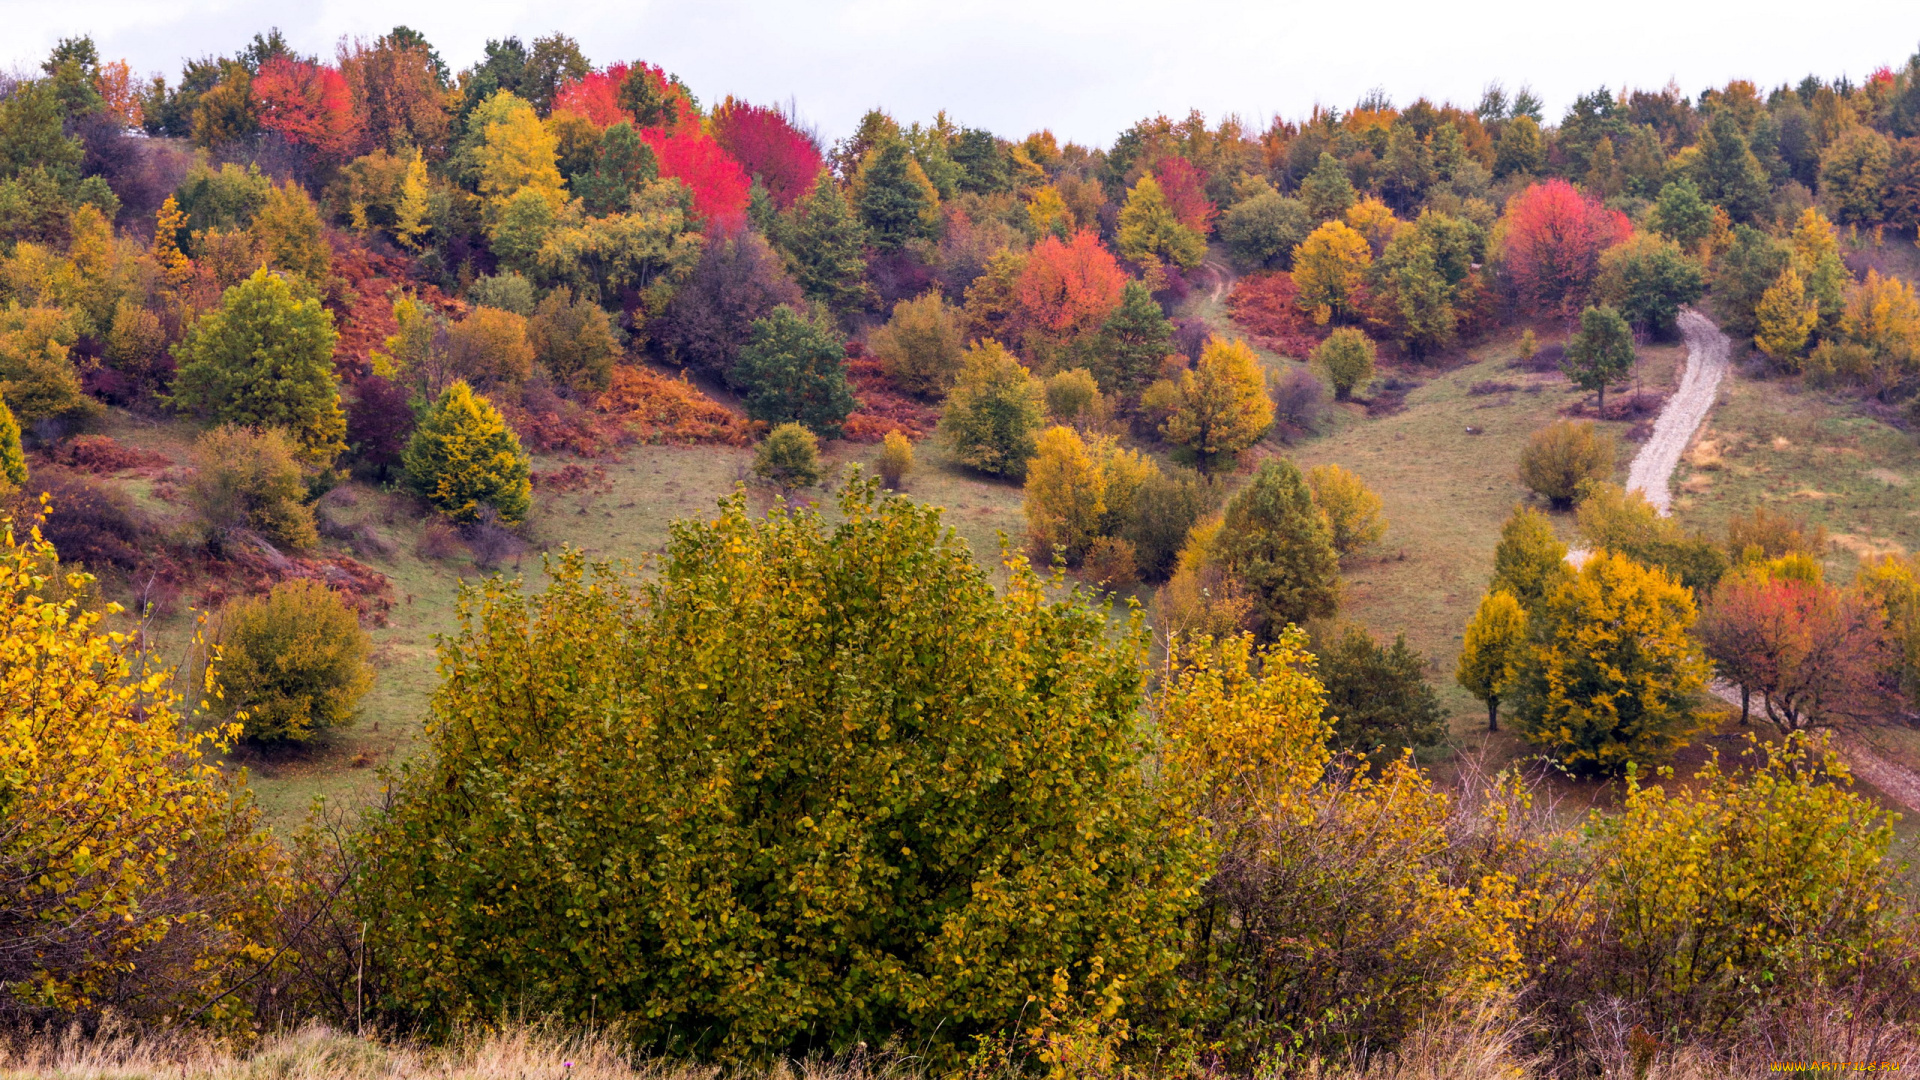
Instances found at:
x=515 y=1052
x=1480 y=1044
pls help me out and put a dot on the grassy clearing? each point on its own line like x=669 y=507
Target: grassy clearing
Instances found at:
x=624 y=514
x=1445 y=471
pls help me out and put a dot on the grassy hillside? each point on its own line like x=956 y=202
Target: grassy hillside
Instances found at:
x=623 y=510
x=1444 y=467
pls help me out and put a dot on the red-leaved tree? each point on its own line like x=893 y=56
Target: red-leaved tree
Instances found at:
x=768 y=146
x=596 y=97
x=308 y=105
x=1814 y=655
x=1186 y=190
x=605 y=98
x=693 y=158
x=1067 y=289
x=1554 y=238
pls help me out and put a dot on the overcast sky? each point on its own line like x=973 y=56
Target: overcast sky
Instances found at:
x=1084 y=69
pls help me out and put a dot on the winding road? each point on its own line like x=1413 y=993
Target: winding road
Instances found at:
x=1709 y=354
x=1707 y=360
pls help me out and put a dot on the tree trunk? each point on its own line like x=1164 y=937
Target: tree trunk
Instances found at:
x=1493 y=714
x=1603 y=401
x=1746 y=697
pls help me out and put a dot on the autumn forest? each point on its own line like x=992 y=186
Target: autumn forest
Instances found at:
x=524 y=571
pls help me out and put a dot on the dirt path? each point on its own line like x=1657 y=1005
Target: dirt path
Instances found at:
x=1223 y=278
x=1707 y=359
x=1680 y=418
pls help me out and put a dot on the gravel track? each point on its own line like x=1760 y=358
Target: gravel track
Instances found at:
x=1707 y=359
x=1651 y=473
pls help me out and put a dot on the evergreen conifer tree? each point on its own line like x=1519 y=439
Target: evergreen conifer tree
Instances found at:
x=1327 y=192
x=1133 y=342
x=826 y=246
x=897 y=201
x=463 y=458
x=621 y=166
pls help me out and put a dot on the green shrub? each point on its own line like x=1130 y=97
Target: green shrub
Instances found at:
x=291 y=664
x=1712 y=913
x=794 y=369
x=575 y=341
x=1563 y=455
x=994 y=412
x=790 y=457
x=506 y=290
x=920 y=347
x=1347 y=357
x=1625 y=522
x=1378 y=702
x=250 y=480
x=1165 y=509
x=264 y=359
x=1530 y=561
x=463 y=458
x=808 y=784
x=1072 y=396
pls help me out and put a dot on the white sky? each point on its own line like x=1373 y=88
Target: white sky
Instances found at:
x=1085 y=69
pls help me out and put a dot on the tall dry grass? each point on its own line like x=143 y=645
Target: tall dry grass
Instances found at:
x=1484 y=1042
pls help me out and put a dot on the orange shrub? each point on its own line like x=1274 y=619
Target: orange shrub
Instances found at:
x=659 y=409
x=1266 y=306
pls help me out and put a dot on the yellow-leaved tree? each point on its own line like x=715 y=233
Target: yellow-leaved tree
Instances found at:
x=1351 y=508
x=1149 y=229
x=1614 y=672
x=1882 y=316
x=1217 y=408
x=1494 y=651
x=516 y=153
x=1785 y=318
x=137 y=878
x=1078 y=492
x=1337 y=908
x=1328 y=267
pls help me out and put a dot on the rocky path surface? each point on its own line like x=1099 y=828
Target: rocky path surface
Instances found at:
x=1707 y=359
x=1680 y=418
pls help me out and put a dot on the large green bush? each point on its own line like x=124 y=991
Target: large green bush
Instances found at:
x=810 y=785
x=264 y=358
x=294 y=662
